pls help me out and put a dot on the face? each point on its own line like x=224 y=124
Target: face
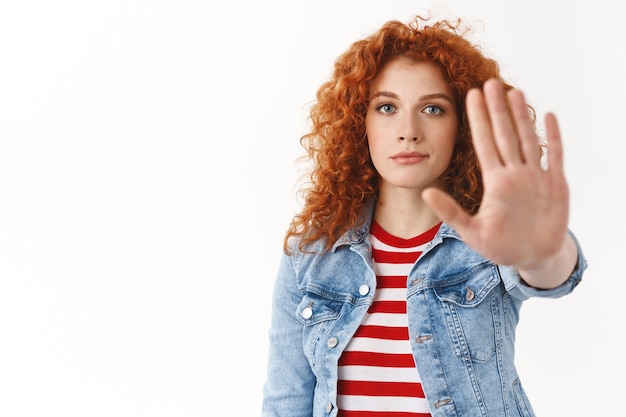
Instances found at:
x=411 y=123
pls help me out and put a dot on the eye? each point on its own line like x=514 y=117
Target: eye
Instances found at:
x=386 y=108
x=433 y=110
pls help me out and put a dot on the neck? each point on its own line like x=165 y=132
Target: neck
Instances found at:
x=404 y=213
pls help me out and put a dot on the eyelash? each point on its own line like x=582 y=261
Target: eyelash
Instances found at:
x=380 y=108
x=430 y=106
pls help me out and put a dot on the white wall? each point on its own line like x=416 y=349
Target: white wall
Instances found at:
x=147 y=177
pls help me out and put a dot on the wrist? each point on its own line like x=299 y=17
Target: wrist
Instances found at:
x=553 y=270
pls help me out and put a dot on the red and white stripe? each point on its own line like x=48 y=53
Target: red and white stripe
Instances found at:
x=377 y=373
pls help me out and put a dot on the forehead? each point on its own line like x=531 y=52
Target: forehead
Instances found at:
x=402 y=73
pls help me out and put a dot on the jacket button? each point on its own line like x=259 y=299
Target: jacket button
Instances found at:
x=441 y=403
x=332 y=342
x=364 y=289
x=307 y=313
x=470 y=294
x=417 y=280
x=329 y=407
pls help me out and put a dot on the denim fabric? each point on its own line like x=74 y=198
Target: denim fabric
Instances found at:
x=462 y=308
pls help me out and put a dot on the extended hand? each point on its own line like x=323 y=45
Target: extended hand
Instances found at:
x=523 y=216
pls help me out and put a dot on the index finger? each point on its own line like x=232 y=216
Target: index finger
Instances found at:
x=480 y=128
x=505 y=135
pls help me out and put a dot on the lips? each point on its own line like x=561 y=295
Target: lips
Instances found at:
x=408 y=158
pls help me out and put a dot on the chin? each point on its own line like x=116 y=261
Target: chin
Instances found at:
x=412 y=184
x=409 y=185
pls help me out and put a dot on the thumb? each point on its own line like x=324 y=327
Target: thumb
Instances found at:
x=446 y=208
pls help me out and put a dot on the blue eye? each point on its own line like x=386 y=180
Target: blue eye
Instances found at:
x=386 y=108
x=433 y=110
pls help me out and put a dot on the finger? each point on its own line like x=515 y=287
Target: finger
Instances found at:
x=447 y=209
x=555 y=145
x=480 y=128
x=529 y=144
x=504 y=131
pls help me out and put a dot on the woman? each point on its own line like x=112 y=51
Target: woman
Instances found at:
x=428 y=221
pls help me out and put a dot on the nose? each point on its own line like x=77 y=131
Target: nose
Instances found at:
x=408 y=128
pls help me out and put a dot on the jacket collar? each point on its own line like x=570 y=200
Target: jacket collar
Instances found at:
x=357 y=234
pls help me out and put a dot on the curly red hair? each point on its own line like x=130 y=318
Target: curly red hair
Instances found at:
x=343 y=179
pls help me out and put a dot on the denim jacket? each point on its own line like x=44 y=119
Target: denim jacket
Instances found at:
x=462 y=311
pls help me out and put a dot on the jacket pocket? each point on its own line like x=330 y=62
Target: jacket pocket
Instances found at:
x=472 y=311
x=317 y=314
x=314 y=309
x=523 y=405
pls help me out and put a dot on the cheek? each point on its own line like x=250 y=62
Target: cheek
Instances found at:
x=373 y=148
x=453 y=140
x=376 y=151
x=373 y=141
x=450 y=151
x=447 y=146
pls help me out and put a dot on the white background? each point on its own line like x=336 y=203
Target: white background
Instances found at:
x=147 y=177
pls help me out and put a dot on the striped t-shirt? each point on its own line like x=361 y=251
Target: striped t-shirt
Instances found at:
x=377 y=373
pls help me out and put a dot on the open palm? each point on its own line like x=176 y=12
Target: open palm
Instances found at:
x=523 y=216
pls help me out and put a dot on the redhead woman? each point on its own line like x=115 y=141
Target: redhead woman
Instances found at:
x=428 y=220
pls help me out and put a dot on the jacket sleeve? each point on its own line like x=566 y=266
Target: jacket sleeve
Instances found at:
x=516 y=286
x=290 y=382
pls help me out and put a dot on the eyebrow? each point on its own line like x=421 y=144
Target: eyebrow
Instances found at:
x=425 y=97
